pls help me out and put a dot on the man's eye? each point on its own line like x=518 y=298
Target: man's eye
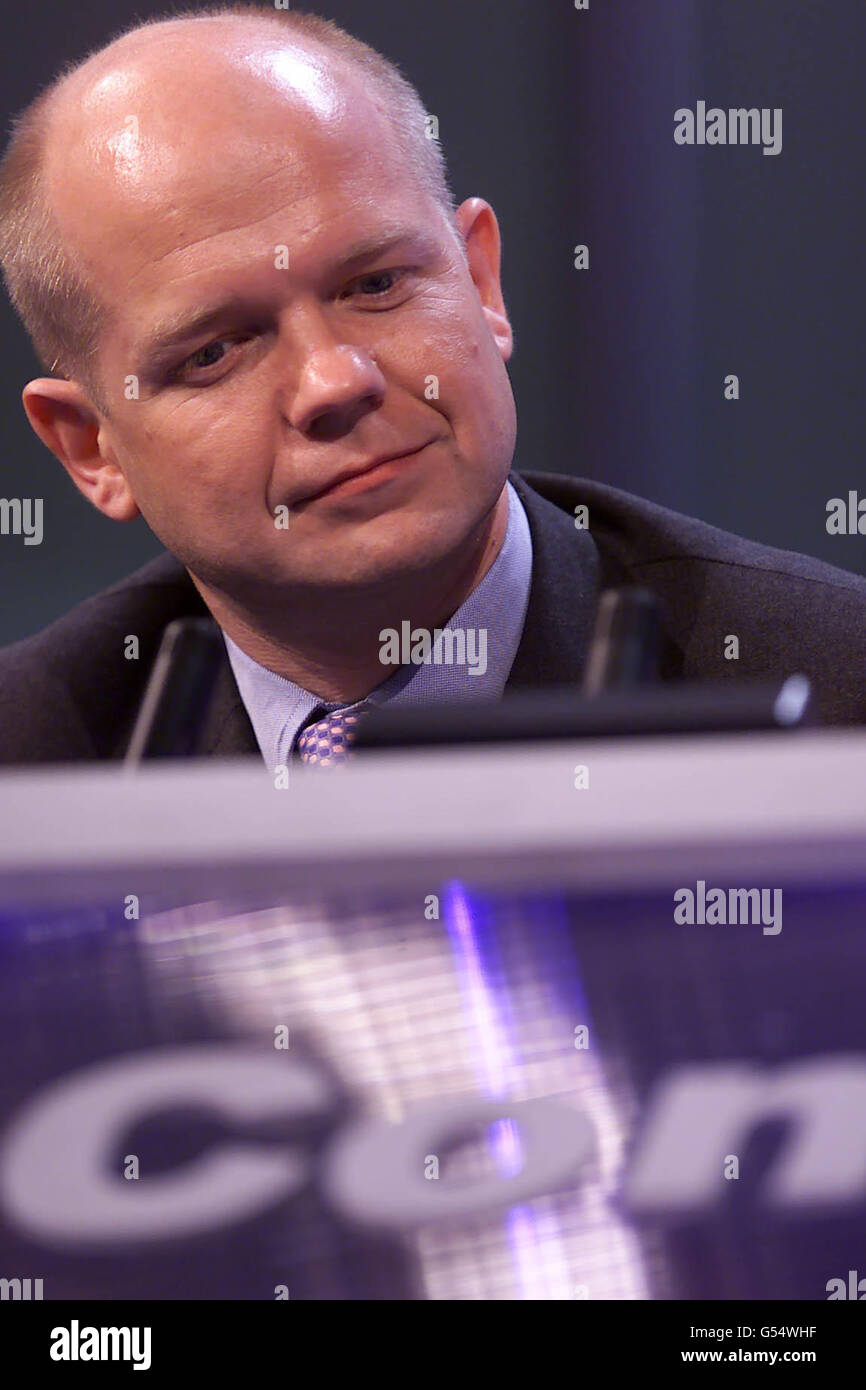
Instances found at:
x=204 y=357
x=377 y=283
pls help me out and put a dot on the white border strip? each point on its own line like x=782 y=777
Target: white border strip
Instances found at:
x=789 y=804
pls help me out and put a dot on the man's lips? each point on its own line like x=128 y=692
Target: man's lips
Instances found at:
x=362 y=475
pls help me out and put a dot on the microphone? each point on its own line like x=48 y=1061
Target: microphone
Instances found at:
x=178 y=691
x=626 y=642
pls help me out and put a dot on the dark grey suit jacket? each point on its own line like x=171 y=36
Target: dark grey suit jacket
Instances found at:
x=69 y=692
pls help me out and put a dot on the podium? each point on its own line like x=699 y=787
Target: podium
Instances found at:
x=550 y=1021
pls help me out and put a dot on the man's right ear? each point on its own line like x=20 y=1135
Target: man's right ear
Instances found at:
x=67 y=423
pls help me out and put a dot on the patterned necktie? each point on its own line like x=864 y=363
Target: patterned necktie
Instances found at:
x=328 y=740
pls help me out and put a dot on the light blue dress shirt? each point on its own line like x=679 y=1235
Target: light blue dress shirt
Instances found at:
x=497 y=606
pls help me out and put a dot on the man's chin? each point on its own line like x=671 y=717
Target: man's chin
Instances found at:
x=382 y=571
x=337 y=559
x=376 y=554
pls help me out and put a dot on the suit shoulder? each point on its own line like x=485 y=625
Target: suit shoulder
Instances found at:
x=70 y=690
x=637 y=533
x=788 y=612
x=95 y=621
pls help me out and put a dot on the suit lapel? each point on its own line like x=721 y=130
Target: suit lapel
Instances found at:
x=227 y=731
x=562 y=597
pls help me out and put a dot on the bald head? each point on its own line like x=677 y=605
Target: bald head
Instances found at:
x=121 y=136
x=177 y=126
x=136 y=120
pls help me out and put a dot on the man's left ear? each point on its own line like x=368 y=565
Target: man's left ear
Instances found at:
x=480 y=230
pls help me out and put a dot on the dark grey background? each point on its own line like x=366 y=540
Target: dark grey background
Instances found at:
x=703 y=261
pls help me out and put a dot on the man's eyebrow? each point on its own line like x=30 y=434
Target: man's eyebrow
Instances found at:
x=180 y=327
x=382 y=243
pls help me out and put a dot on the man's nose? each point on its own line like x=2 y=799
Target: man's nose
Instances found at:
x=338 y=385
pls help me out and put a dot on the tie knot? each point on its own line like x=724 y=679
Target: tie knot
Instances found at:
x=328 y=739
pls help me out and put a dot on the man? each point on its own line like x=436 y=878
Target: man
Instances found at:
x=270 y=333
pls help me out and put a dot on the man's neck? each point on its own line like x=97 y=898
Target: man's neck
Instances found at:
x=329 y=643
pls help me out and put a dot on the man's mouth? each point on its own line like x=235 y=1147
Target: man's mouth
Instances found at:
x=365 y=475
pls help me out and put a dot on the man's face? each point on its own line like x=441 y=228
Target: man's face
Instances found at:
x=346 y=327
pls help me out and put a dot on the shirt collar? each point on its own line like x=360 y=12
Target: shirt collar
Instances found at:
x=490 y=620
